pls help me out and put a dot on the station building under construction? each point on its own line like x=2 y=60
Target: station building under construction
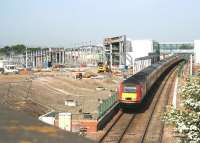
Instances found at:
x=115 y=51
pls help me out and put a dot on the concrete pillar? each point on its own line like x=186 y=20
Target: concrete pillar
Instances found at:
x=111 y=62
x=70 y=56
x=26 y=58
x=51 y=56
x=63 y=56
x=56 y=57
x=47 y=54
x=33 y=58
x=41 y=57
x=36 y=57
x=59 y=57
x=38 y=60
x=197 y=51
x=44 y=55
x=120 y=53
x=90 y=55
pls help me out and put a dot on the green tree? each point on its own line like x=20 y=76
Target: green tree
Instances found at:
x=15 y=49
x=18 y=49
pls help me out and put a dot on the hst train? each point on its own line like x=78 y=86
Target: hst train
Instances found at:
x=135 y=88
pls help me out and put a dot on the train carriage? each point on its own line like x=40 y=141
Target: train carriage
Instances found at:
x=135 y=88
x=132 y=91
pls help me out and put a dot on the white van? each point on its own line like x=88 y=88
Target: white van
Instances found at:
x=10 y=69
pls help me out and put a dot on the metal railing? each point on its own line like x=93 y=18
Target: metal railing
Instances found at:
x=106 y=105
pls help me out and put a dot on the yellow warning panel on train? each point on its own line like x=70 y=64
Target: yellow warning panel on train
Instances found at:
x=130 y=96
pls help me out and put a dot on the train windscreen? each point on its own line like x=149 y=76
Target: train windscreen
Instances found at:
x=129 y=89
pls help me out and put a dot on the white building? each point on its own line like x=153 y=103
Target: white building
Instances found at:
x=140 y=48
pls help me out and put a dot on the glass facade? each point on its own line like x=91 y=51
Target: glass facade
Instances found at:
x=176 y=48
x=156 y=48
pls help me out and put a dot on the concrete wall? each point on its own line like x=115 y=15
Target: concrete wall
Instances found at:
x=48 y=120
x=140 y=48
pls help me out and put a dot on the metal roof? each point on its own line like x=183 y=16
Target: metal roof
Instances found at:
x=140 y=77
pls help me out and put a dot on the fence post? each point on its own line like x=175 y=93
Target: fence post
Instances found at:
x=99 y=111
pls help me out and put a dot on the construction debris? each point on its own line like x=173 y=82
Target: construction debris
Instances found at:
x=71 y=103
x=100 y=88
x=78 y=75
x=89 y=74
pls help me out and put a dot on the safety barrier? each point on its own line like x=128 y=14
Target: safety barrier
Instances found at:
x=106 y=105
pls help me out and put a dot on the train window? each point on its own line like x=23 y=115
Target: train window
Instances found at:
x=128 y=89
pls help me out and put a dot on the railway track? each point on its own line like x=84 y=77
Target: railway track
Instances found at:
x=145 y=126
x=154 y=122
x=116 y=132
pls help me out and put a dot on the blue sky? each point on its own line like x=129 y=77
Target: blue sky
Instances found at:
x=71 y=22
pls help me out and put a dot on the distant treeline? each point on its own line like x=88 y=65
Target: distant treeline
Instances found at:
x=15 y=50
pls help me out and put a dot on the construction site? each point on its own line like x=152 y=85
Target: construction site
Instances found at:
x=74 y=88
x=50 y=81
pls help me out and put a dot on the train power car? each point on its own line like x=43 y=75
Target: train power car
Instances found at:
x=135 y=88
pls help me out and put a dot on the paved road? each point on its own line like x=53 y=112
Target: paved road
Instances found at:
x=18 y=127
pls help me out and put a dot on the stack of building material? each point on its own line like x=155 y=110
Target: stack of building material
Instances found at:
x=23 y=71
x=89 y=74
x=77 y=75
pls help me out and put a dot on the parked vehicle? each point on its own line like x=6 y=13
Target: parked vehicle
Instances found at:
x=1 y=66
x=102 y=67
x=9 y=69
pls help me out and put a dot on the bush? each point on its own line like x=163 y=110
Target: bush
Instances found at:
x=187 y=119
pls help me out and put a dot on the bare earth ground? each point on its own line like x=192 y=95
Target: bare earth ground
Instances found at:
x=37 y=94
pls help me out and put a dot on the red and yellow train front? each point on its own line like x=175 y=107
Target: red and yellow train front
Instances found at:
x=130 y=93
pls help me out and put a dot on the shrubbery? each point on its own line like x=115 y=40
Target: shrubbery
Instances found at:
x=187 y=118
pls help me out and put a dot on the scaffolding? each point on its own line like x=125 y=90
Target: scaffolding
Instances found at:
x=115 y=50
